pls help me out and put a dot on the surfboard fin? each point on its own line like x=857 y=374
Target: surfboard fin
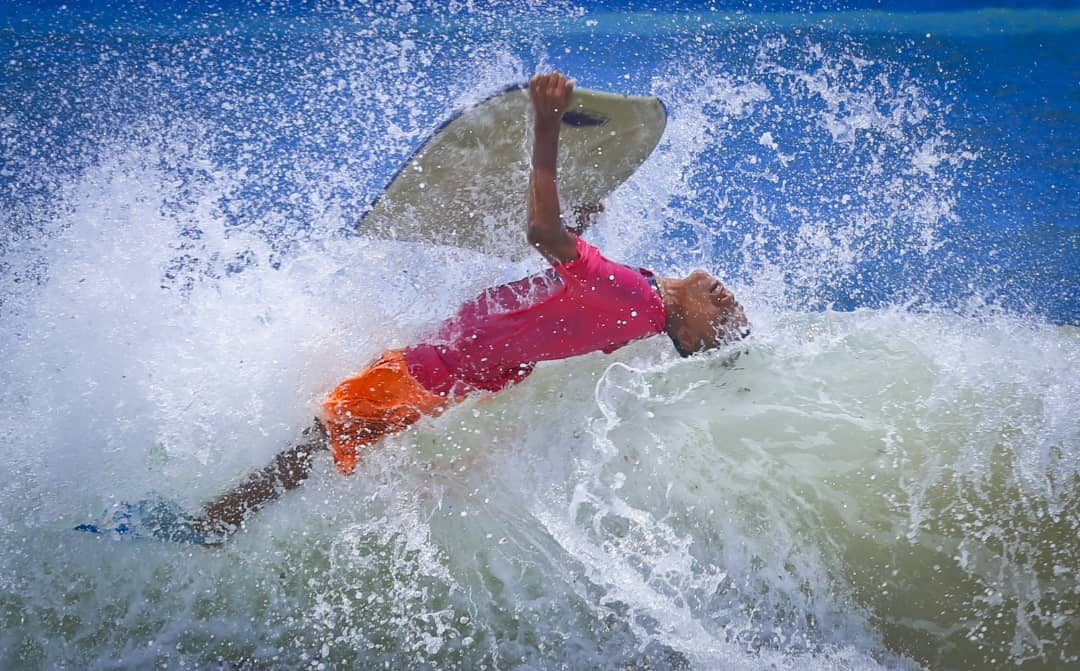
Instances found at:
x=583 y=118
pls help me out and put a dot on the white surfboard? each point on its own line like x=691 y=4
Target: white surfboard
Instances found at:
x=466 y=186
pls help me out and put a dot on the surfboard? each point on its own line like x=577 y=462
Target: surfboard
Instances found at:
x=467 y=185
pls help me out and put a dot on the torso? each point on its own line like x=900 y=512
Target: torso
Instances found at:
x=584 y=305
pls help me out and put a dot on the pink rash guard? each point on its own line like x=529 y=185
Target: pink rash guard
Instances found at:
x=584 y=305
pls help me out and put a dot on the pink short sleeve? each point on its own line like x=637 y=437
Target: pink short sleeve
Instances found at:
x=580 y=268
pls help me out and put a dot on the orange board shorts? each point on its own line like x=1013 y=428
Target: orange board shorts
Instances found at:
x=380 y=400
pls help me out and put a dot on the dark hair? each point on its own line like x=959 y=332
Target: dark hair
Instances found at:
x=684 y=353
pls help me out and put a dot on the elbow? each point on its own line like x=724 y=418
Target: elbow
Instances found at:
x=534 y=235
x=544 y=237
x=539 y=235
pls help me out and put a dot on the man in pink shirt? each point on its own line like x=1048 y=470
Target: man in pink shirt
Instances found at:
x=583 y=303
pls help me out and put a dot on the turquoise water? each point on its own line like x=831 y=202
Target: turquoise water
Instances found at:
x=885 y=476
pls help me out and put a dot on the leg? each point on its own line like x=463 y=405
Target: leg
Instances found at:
x=288 y=470
x=382 y=399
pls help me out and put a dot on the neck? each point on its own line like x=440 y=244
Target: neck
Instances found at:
x=669 y=292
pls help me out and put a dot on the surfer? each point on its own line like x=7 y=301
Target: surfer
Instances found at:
x=582 y=303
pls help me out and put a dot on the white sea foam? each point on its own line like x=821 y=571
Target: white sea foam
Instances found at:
x=803 y=500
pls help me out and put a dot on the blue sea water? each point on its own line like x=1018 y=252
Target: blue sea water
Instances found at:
x=888 y=478
x=1003 y=82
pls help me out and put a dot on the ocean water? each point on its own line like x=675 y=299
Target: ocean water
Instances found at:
x=886 y=475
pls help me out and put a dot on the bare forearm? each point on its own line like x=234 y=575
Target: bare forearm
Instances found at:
x=545 y=146
x=544 y=214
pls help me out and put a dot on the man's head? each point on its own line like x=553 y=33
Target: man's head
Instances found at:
x=702 y=313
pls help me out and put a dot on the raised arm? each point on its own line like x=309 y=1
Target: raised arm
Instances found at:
x=550 y=95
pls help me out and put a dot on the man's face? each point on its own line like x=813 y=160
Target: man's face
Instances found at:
x=713 y=315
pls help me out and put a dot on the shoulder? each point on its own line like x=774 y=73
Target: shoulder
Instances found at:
x=588 y=257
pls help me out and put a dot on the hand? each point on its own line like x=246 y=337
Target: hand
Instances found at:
x=550 y=94
x=588 y=210
x=585 y=216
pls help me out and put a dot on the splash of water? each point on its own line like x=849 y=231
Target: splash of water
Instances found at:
x=181 y=285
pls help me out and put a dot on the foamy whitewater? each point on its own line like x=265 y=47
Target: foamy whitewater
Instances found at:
x=886 y=475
